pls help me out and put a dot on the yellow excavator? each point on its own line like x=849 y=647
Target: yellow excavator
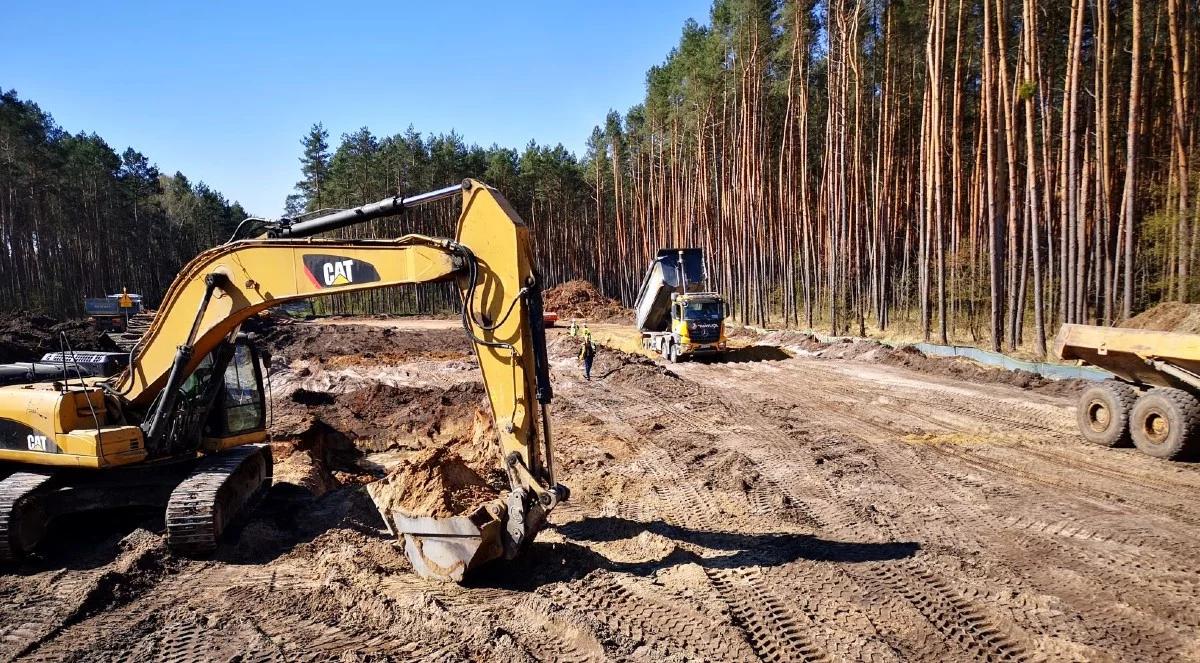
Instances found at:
x=184 y=425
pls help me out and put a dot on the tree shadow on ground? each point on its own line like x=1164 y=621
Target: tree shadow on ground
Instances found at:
x=546 y=563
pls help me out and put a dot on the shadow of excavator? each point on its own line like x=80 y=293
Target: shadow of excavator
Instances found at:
x=546 y=563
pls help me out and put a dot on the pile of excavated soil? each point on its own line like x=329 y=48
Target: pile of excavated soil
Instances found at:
x=581 y=300
x=1168 y=316
x=355 y=345
x=325 y=433
x=26 y=336
x=435 y=482
x=382 y=417
x=321 y=438
x=910 y=357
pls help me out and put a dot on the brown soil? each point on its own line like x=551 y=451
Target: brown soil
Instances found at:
x=344 y=344
x=434 y=482
x=1168 y=316
x=806 y=508
x=381 y=417
x=325 y=435
x=26 y=336
x=581 y=300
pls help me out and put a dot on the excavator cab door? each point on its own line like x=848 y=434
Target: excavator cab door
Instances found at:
x=220 y=404
x=240 y=408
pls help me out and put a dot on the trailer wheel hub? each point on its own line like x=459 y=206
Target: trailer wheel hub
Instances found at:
x=1099 y=416
x=1157 y=427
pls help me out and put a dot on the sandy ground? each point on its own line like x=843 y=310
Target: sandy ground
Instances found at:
x=785 y=510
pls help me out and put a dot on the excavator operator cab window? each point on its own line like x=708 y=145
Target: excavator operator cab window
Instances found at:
x=243 y=398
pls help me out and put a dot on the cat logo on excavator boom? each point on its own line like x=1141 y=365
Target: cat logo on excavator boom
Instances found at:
x=328 y=271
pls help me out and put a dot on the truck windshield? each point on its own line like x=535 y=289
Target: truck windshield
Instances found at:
x=704 y=311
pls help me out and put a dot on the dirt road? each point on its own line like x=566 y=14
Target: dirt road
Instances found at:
x=798 y=509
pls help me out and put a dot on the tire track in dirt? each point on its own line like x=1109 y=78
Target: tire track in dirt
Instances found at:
x=773 y=628
x=641 y=618
x=841 y=516
x=932 y=486
x=1058 y=480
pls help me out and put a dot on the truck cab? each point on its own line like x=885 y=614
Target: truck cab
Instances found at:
x=697 y=325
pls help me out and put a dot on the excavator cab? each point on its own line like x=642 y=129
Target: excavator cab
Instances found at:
x=220 y=405
x=241 y=409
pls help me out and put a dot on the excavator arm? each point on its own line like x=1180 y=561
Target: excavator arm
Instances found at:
x=225 y=286
x=491 y=263
x=154 y=413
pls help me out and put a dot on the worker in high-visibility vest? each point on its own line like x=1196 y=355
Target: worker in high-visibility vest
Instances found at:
x=587 y=352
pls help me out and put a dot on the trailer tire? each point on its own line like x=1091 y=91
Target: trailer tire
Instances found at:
x=1166 y=424
x=1103 y=413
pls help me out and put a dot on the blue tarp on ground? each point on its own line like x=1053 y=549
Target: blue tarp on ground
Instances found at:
x=1044 y=369
x=1052 y=371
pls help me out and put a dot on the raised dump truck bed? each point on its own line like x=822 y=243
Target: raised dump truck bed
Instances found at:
x=673 y=272
x=1154 y=402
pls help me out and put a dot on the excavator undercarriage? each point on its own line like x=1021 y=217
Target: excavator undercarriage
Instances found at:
x=184 y=426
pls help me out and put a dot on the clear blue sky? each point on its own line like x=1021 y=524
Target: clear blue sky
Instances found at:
x=223 y=91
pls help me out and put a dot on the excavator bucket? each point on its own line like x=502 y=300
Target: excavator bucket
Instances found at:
x=446 y=548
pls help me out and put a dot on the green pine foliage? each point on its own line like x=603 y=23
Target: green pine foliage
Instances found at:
x=78 y=219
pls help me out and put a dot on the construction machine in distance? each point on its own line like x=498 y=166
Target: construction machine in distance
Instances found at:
x=1154 y=399
x=676 y=314
x=183 y=426
x=112 y=313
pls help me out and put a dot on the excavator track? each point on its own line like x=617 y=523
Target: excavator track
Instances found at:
x=220 y=487
x=18 y=534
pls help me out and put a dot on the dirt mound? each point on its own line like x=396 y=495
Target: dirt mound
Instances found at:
x=26 y=336
x=342 y=345
x=434 y=482
x=580 y=299
x=802 y=340
x=321 y=440
x=1168 y=316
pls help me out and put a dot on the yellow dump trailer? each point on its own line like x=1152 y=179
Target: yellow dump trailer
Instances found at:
x=1154 y=400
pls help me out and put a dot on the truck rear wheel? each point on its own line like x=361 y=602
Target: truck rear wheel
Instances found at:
x=1103 y=413
x=673 y=353
x=1166 y=423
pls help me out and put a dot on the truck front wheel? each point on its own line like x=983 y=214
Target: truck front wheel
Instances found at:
x=673 y=353
x=1166 y=423
x=1103 y=413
